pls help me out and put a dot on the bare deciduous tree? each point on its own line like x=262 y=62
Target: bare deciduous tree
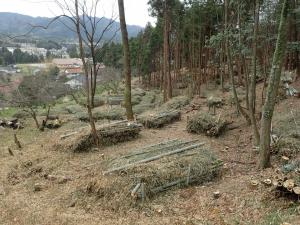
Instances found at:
x=38 y=91
x=85 y=24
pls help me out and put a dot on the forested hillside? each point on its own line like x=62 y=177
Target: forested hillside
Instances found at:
x=16 y=24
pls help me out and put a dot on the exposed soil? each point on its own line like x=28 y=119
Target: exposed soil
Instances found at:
x=38 y=185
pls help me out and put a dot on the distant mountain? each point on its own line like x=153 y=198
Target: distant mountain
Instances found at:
x=17 y=24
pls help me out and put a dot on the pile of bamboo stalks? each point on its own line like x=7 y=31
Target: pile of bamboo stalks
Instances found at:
x=143 y=173
x=108 y=134
x=118 y=132
x=103 y=114
x=207 y=124
x=159 y=119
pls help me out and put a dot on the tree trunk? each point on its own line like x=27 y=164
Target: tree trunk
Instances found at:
x=44 y=123
x=126 y=58
x=272 y=90
x=246 y=82
x=296 y=38
x=230 y=66
x=86 y=72
x=167 y=73
x=94 y=74
x=33 y=114
x=252 y=100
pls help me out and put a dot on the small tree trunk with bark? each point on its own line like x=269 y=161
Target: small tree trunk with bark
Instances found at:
x=33 y=115
x=86 y=72
x=94 y=76
x=230 y=67
x=252 y=100
x=167 y=73
x=272 y=90
x=44 y=123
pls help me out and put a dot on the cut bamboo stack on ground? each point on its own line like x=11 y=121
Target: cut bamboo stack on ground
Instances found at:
x=145 y=172
x=159 y=119
x=109 y=134
x=204 y=123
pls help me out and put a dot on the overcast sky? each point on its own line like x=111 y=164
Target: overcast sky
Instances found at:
x=136 y=10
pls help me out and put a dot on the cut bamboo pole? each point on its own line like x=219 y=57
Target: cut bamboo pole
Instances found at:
x=68 y=135
x=161 y=147
x=154 y=158
x=143 y=192
x=149 y=147
x=135 y=190
x=188 y=175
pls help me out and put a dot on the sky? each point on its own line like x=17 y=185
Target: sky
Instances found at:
x=136 y=10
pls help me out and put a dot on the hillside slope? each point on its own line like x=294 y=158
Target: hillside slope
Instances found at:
x=17 y=24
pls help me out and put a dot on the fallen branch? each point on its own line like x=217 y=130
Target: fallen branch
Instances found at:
x=68 y=135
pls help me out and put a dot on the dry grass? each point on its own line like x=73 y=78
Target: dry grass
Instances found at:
x=239 y=202
x=167 y=173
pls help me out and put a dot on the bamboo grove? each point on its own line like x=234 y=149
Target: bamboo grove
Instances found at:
x=195 y=40
x=230 y=43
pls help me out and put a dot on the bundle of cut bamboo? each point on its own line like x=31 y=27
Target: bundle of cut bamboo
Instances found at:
x=108 y=134
x=143 y=173
x=159 y=119
x=207 y=124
